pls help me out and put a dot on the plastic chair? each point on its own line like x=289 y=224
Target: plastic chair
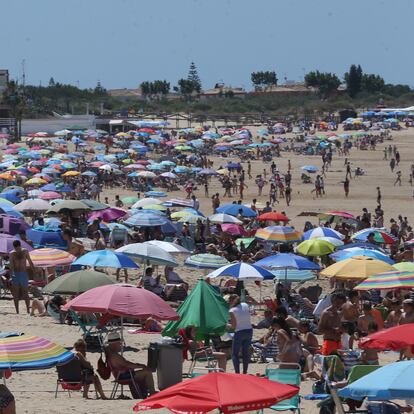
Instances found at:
x=285 y=373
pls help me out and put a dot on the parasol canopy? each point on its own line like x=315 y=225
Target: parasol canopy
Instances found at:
x=242 y=271
x=388 y=280
x=148 y=254
x=278 y=234
x=48 y=257
x=315 y=247
x=106 y=258
x=206 y=261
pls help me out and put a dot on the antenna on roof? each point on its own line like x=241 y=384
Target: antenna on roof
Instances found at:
x=24 y=72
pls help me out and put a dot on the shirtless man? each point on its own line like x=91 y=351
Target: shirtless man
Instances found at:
x=350 y=312
x=408 y=314
x=394 y=316
x=330 y=324
x=20 y=278
x=74 y=247
x=366 y=319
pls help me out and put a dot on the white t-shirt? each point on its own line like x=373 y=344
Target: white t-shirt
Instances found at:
x=242 y=314
x=345 y=337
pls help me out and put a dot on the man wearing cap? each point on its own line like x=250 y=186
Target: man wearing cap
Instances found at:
x=126 y=369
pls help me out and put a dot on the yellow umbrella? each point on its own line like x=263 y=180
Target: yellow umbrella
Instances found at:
x=35 y=180
x=222 y=171
x=71 y=174
x=404 y=266
x=158 y=207
x=181 y=214
x=356 y=268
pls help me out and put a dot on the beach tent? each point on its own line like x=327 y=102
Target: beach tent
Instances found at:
x=203 y=308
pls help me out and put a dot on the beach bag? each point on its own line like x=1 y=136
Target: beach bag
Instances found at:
x=104 y=370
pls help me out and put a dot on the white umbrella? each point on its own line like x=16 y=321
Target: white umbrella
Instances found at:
x=106 y=167
x=32 y=204
x=146 y=202
x=168 y=175
x=332 y=240
x=224 y=218
x=147 y=174
x=172 y=248
x=34 y=193
x=147 y=254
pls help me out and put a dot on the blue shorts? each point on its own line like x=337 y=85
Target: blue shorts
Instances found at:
x=20 y=279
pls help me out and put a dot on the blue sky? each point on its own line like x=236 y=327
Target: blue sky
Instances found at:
x=124 y=42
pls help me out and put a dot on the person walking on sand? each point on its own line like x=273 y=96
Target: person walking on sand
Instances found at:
x=249 y=170
x=346 y=187
x=348 y=170
x=20 y=278
x=392 y=164
x=379 y=196
x=288 y=195
x=398 y=179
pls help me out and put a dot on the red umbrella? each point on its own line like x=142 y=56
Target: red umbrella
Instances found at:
x=123 y=300
x=273 y=216
x=395 y=338
x=230 y=393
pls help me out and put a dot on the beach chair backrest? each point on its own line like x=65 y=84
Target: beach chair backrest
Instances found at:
x=359 y=371
x=290 y=376
x=71 y=371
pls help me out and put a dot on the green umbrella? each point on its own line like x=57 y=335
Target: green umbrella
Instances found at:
x=77 y=282
x=204 y=309
x=129 y=200
x=247 y=241
x=94 y=205
x=315 y=247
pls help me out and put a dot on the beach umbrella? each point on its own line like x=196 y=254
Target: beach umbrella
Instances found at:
x=94 y=205
x=336 y=216
x=88 y=244
x=147 y=174
x=32 y=205
x=148 y=254
x=241 y=271
x=287 y=261
x=71 y=174
x=404 y=266
x=146 y=201
x=332 y=240
x=309 y=168
x=319 y=232
x=315 y=247
x=146 y=220
x=13 y=225
x=362 y=245
x=388 y=280
x=192 y=219
x=228 y=393
x=6 y=243
x=30 y=352
x=380 y=236
x=234 y=210
x=46 y=237
x=155 y=194
x=48 y=257
x=169 y=247
x=206 y=261
x=359 y=251
x=35 y=181
x=153 y=207
x=278 y=234
x=179 y=202
x=10 y=196
x=129 y=200
x=395 y=338
x=205 y=309
x=273 y=216
x=293 y=275
x=4 y=201
x=234 y=229
x=356 y=268
x=35 y=193
x=69 y=205
x=77 y=282
x=182 y=214
x=49 y=195
x=109 y=214
x=220 y=218
x=124 y=301
x=390 y=382
x=106 y=258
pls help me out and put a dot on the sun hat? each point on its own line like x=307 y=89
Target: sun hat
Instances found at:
x=113 y=337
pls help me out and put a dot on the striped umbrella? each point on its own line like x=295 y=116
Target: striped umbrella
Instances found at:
x=146 y=220
x=293 y=275
x=358 y=251
x=242 y=271
x=278 y=234
x=48 y=257
x=319 y=232
x=206 y=261
x=27 y=352
x=388 y=280
x=380 y=236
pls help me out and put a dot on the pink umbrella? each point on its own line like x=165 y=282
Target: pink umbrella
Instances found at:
x=108 y=214
x=123 y=300
x=50 y=195
x=234 y=229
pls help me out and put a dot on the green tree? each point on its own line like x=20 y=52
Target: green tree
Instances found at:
x=263 y=79
x=187 y=87
x=145 y=88
x=325 y=82
x=353 y=79
x=372 y=83
x=13 y=95
x=99 y=89
x=194 y=77
x=51 y=82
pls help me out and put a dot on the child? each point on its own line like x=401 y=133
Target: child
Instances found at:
x=370 y=356
x=347 y=336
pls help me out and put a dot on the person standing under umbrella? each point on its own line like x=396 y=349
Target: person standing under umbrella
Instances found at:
x=240 y=322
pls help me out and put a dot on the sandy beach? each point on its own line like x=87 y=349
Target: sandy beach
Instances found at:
x=34 y=390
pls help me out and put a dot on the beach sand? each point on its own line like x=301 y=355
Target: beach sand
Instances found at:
x=34 y=390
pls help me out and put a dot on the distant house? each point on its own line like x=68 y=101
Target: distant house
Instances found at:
x=125 y=93
x=290 y=89
x=220 y=91
x=4 y=78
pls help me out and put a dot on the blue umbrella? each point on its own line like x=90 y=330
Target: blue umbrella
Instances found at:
x=106 y=258
x=287 y=261
x=49 y=187
x=310 y=168
x=146 y=220
x=390 y=382
x=233 y=210
x=155 y=194
x=321 y=232
x=359 y=251
x=242 y=271
x=293 y=275
x=8 y=209
x=233 y=165
x=169 y=228
x=89 y=174
x=46 y=238
x=11 y=197
x=364 y=245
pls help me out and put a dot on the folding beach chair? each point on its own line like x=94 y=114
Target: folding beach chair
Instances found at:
x=90 y=333
x=285 y=373
x=204 y=357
